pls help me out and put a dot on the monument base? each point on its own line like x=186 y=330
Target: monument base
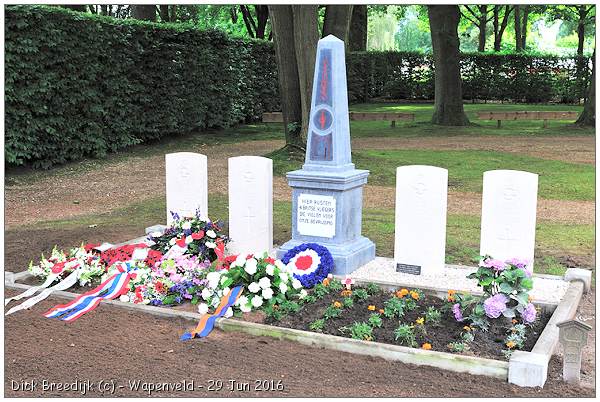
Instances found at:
x=347 y=256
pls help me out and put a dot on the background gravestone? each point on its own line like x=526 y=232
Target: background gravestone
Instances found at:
x=508 y=213
x=327 y=191
x=186 y=179
x=420 y=226
x=250 y=204
x=573 y=336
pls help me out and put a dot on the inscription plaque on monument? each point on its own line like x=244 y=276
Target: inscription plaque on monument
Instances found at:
x=316 y=215
x=408 y=269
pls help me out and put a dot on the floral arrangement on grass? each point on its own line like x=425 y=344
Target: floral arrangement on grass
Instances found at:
x=191 y=235
x=309 y=263
x=267 y=283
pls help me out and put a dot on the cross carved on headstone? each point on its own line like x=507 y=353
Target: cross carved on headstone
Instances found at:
x=249 y=218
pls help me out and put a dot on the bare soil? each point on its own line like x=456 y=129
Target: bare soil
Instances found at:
x=487 y=344
x=118 y=184
x=112 y=343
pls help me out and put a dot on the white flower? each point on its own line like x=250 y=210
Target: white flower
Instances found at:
x=203 y=308
x=210 y=244
x=213 y=279
x=186 y=225
x=239 y=261
x=257 y=301
x=270 y=270
x=188 y=240
x=172 y=241
x=284 y=277
x=296 y=284
x=303 y=293
x=283 y=287
x=156 y=234
x=124 y=298
x=253 y=287
x=211 y=233
x=264 y=282
x=243 y=300
x=206 y=293
x=245 y=308
x=223 y=279
x=229 y=312
x=267 y=293
x=216 y=301
x=279 y=264
x=226 y=290
x=250 y=266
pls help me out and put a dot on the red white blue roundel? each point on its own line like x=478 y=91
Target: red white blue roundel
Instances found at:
x=310 y=263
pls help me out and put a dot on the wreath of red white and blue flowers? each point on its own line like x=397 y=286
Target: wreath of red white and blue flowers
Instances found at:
x=310 y=263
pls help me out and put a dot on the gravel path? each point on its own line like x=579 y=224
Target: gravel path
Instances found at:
x=118 y=184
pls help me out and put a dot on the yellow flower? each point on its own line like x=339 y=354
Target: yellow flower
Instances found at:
x=426 y=346
x=326 y=282
x=337 y=304
x=381 y=311
x=420 y=320
x=530 y=298
x=510 y=344
x=414 y=295
x=346 y=293
x=451 y=292
x=467 y=328
x=401 y=293
x=371 y=308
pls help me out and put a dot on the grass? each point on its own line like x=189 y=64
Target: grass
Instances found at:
x=421 y=127
x=558 y=180
x=553 y=241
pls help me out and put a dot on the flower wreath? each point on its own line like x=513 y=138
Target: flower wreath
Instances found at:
x=310 y=263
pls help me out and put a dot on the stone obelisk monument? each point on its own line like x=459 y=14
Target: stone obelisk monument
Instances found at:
x=327 y=191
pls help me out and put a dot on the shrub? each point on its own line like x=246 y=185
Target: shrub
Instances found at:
x=80 y=85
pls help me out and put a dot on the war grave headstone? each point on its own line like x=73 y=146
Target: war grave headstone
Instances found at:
x=327 y=191
x=508 y=213
x=420 y=224
x=573 y=336
x=250 y=204
x=186 y=182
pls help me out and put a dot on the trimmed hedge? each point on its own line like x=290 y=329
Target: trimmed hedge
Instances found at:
x=79 y=85
x=501 y=77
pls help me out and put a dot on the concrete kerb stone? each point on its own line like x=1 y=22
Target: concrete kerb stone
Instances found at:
x=528 y=369
x=579 y=274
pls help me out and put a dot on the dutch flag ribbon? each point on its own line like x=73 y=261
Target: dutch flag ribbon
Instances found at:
x=113 y=287
x=207 y=322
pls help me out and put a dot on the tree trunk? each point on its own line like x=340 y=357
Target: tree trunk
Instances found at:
x=164 y=13
x=482 y=27
x=262 y=17
x=518 y=28
x=357 y=33
x=306 y=36
x=588 y=116
x=443 y=23
x=524 y=27
x=337 y=21
x=581 y=29
x=143 y=12
x=82 y=7
x=500 y=26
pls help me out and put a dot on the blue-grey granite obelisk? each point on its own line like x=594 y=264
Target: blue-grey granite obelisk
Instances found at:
x=327 y=191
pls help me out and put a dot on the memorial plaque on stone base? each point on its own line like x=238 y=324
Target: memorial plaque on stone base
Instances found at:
x=408 y=269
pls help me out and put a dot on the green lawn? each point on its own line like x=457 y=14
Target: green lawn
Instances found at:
x=553 y=240
x=558 y=180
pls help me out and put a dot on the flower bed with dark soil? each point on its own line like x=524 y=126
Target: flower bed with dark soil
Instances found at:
x=487 y=344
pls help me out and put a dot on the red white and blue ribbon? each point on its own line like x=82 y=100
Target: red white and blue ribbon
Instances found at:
x=207 y=322
x=112 y=288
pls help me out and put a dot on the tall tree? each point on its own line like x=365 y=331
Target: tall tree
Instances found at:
x=500 y=24
x=337 y=21
x=256 y=24
x=583 y=15
x=143 y=12
x=448 y=108
x=164 y=13
x=588 y=116
x=479 y=17
x=295 y=35
x=357 y=33
x=521 y=20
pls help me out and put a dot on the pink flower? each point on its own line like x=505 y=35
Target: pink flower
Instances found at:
x=348 y=282
x=176 y=278
x=497 y=265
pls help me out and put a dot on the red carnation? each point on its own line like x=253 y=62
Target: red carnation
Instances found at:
x=181 y=243
x=198 y=235
x=58 y=267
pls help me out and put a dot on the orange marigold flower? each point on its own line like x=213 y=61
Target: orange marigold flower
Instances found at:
x=337 y=304
x=514 y=321
x=371 y=308
x=326 y=282
x=530 y=298
x=451 y=292
x=346 y=293
x=426 y=346
x=414 y=295
x=401 y=293
x=510 y=344
x=450 y=298
x=381 y=311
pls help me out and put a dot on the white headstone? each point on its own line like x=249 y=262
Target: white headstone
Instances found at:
x=420 y=227
x=186 y=184
x=250 y=204
x=508 y=214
